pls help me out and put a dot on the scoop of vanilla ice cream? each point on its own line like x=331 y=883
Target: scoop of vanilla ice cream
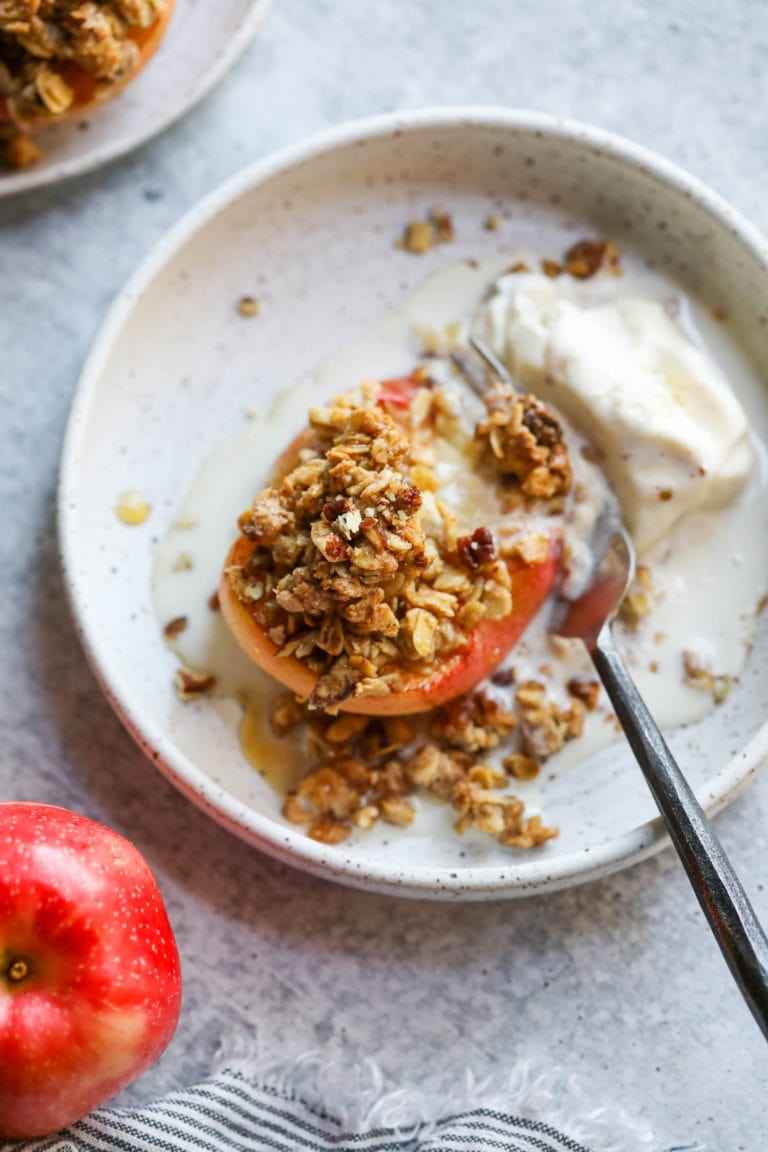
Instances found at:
x=671 y=434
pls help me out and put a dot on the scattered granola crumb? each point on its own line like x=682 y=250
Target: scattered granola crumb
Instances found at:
x=443 y=223
x=639 y=601
x=285 y=714
x=545 y=726
x=191 y=685
x=366 y=817
x=551 y=268
x=132 y=508
x=418 y=237
x=365 y=769
x=473 y=723
x=421 y=235
x=492 y=223
x=396 y=810
x=175 y=627
x=520 y=766
x=18 y=152
x=722 y=689
x=591 y=454
x=588 y=691
x=584 y=259
x=294 y=810
x=184 y=562
x=248 y=306
x=328 y=831
x=498 y=815
x=532 y=834
x=698 y=675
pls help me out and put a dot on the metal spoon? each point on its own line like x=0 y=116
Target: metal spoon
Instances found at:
x=717 y=887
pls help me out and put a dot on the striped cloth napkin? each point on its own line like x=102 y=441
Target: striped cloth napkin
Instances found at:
x=234 y=1111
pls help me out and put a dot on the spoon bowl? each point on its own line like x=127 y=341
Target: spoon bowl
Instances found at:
x=612 y=578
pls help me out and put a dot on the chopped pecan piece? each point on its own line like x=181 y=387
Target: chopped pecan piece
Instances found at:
x=175 y=627
x=585 y=258
x=476 y=550
x=588 y=691
x=191 y=685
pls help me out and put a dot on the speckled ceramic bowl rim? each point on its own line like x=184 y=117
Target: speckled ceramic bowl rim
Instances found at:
x=198 y=88
x=283 y=843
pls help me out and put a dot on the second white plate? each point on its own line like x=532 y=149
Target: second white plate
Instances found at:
x=201 y=43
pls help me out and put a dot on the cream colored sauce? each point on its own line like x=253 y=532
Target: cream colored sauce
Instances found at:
x=709 y=571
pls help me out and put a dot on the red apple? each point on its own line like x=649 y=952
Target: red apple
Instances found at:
x=90 y=979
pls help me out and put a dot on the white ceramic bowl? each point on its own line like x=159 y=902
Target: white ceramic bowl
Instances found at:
x=310 y=231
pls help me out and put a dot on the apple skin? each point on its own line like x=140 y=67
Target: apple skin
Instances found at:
x=90 y=977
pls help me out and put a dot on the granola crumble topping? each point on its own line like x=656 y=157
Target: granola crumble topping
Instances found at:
x=525 y=441
x=367 y=770
x=357 y=567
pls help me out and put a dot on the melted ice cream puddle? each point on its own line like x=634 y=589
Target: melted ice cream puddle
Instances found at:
x=708 y=571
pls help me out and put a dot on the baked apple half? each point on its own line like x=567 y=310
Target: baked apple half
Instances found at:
x=403 y=546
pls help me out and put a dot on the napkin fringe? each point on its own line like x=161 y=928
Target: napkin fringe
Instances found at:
x=358 y=1097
